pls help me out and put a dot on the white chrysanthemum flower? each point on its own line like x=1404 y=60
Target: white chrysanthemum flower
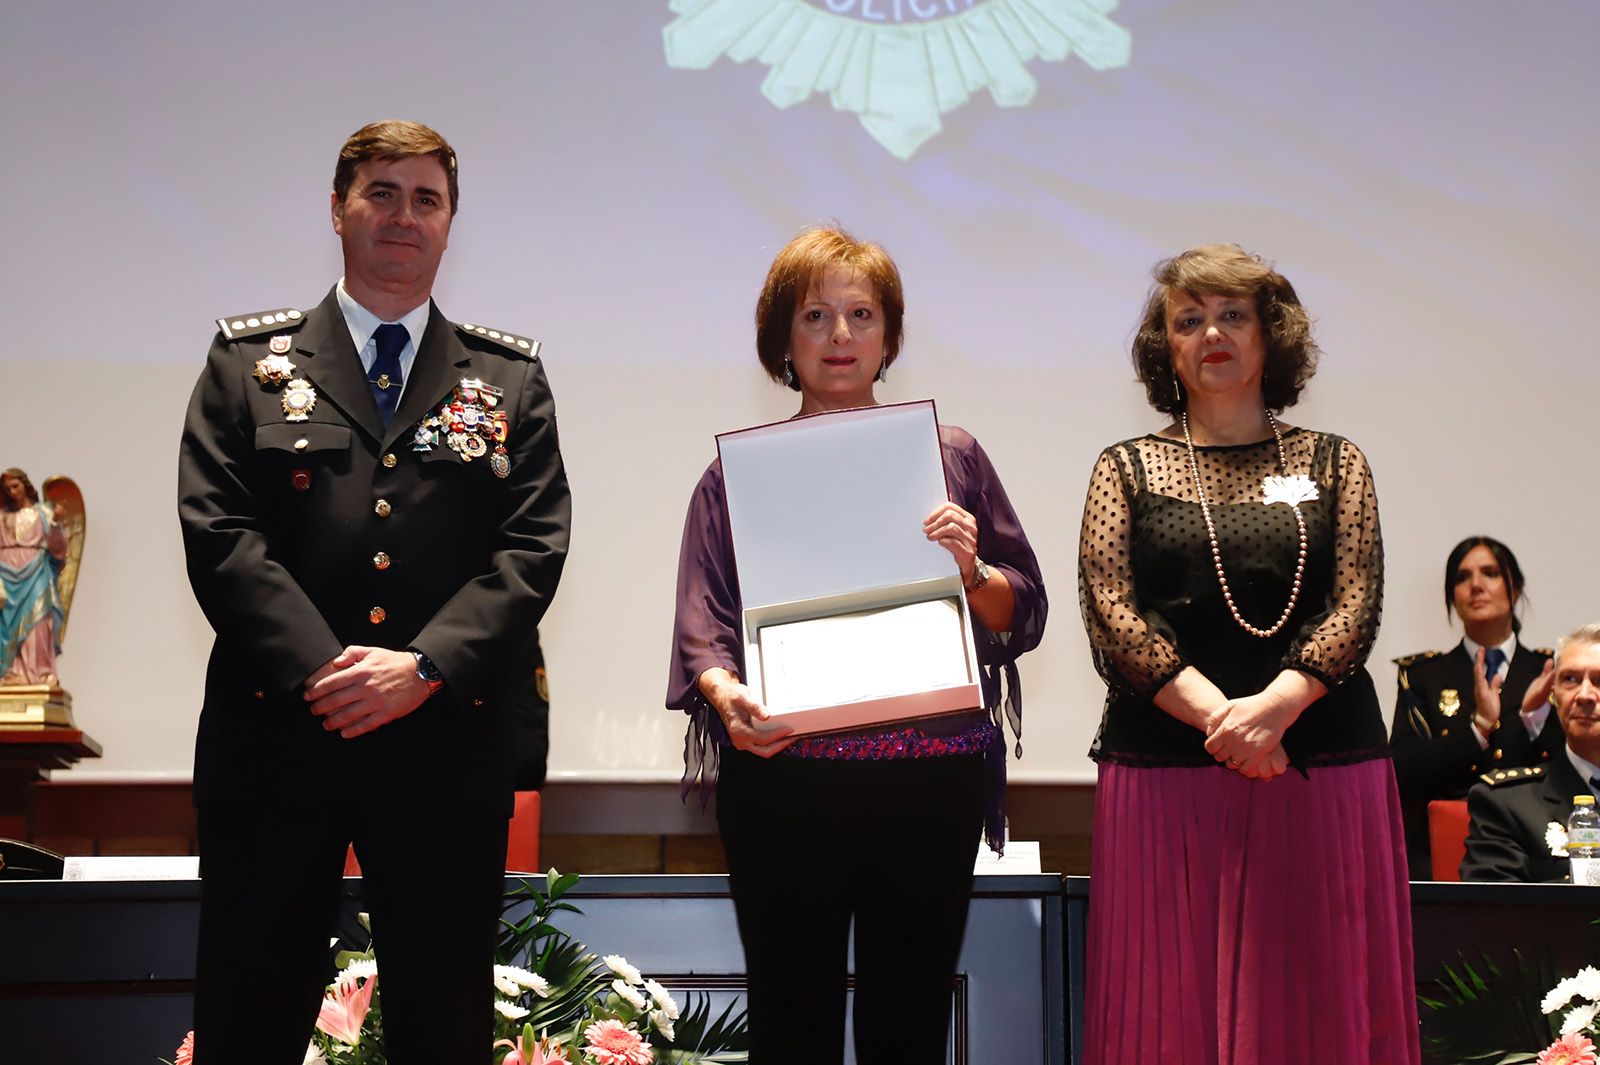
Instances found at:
x=1587 y=981
x=314 y=1055
x=525 y=978
x=509 y=1010
x=361 y=968
x=619 y=965
x=1579 y=1018
x=663 y=1024
x=628 y=995
x=1555 y=837
x=507 y=986
x=663 y=1000
x=1559 y=995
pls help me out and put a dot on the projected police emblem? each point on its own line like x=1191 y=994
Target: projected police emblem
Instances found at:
x=898 y=64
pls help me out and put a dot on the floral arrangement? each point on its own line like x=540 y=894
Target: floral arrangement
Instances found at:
x=557 y=1004
x=1490 y=1017
x=1574 y=1046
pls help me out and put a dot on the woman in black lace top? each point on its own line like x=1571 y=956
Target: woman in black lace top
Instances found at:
x=1249 y=882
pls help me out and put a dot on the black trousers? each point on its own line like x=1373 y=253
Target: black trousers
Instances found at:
x=813 y=844
x=270 y=889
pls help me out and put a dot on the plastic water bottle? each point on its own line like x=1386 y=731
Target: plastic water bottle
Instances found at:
x=1583 y=840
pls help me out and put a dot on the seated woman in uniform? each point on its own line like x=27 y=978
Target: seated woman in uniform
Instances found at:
x=1445 y=731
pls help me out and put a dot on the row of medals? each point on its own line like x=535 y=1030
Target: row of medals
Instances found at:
x=471 y=425
x=468 y=421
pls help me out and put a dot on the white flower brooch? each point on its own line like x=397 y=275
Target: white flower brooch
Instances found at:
x=1555 y=836
x=1291 y=490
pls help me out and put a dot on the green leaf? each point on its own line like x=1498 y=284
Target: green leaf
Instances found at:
x=698 y=1038
x=1479 y=1015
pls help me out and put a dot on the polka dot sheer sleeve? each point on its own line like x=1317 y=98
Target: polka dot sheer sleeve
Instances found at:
x=1134 y=650
x=1335 y=643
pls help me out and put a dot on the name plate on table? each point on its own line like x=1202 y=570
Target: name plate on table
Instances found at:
x=852 y=618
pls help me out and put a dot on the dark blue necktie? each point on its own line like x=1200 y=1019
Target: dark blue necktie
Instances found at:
x=385 y=377
x=1493 y=659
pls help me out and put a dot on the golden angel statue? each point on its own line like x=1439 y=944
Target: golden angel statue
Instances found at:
x=41 y=544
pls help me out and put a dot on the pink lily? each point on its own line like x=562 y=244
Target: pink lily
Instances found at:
x=530 y=1051
x=344 y=1010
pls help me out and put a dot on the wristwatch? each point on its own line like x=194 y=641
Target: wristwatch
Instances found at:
x=980 y=574
x=428 y=672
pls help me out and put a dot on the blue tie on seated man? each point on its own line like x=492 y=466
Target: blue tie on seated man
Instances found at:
x=1513 y=809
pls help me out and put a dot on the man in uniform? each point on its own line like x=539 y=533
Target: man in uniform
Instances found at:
x=1512 y=809
x=375 y=516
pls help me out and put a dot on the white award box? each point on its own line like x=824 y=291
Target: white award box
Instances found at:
x=852 y=617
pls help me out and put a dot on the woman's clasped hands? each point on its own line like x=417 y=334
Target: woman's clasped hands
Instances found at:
x=1246 y=735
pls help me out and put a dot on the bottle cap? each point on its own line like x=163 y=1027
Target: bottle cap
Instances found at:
x=1583 y=800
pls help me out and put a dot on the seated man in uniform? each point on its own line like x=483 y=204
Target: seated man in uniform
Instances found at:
x=1512 y=809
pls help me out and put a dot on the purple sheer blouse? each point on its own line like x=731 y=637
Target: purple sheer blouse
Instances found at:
x=706 y=634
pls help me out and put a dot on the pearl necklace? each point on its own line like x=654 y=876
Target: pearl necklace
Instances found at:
x=1307 y=492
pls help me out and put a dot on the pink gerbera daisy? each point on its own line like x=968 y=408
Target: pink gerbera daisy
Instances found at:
x=1574 y=1049
x=185 y=1053
x=615 y=1043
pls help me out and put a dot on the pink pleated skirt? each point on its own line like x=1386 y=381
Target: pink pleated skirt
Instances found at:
x=1236 y=922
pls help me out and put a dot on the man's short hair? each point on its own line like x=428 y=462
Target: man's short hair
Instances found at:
x=1589 y=633
x=394 y=138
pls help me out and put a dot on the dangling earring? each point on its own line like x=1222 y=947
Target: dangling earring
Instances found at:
x=788 y=373
x=883 y=371
x=1177 y=390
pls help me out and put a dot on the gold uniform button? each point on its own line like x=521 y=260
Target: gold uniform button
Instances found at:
x=1444 y=732
x=301 y=444
x=261 y=694
x=389 y=461
x=1498 y=754
x=477 y=702
x=1544 y=754
x=381 y=560
x=382 y=508
x=376 y=615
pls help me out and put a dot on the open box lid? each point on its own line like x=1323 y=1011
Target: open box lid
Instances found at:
x=833 y=503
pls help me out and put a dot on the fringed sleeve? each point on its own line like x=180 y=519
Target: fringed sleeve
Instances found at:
x=705 y=631
x=1004 y=546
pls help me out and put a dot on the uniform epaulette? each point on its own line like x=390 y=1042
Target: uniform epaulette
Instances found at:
x=528 y=349
x=1548 y=652
x=1519 y=775
x=240 y=326
x=1409 y=660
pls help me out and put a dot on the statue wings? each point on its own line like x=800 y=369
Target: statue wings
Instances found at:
x=66 y=507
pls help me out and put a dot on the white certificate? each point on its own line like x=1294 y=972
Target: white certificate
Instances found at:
x=864 y=654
